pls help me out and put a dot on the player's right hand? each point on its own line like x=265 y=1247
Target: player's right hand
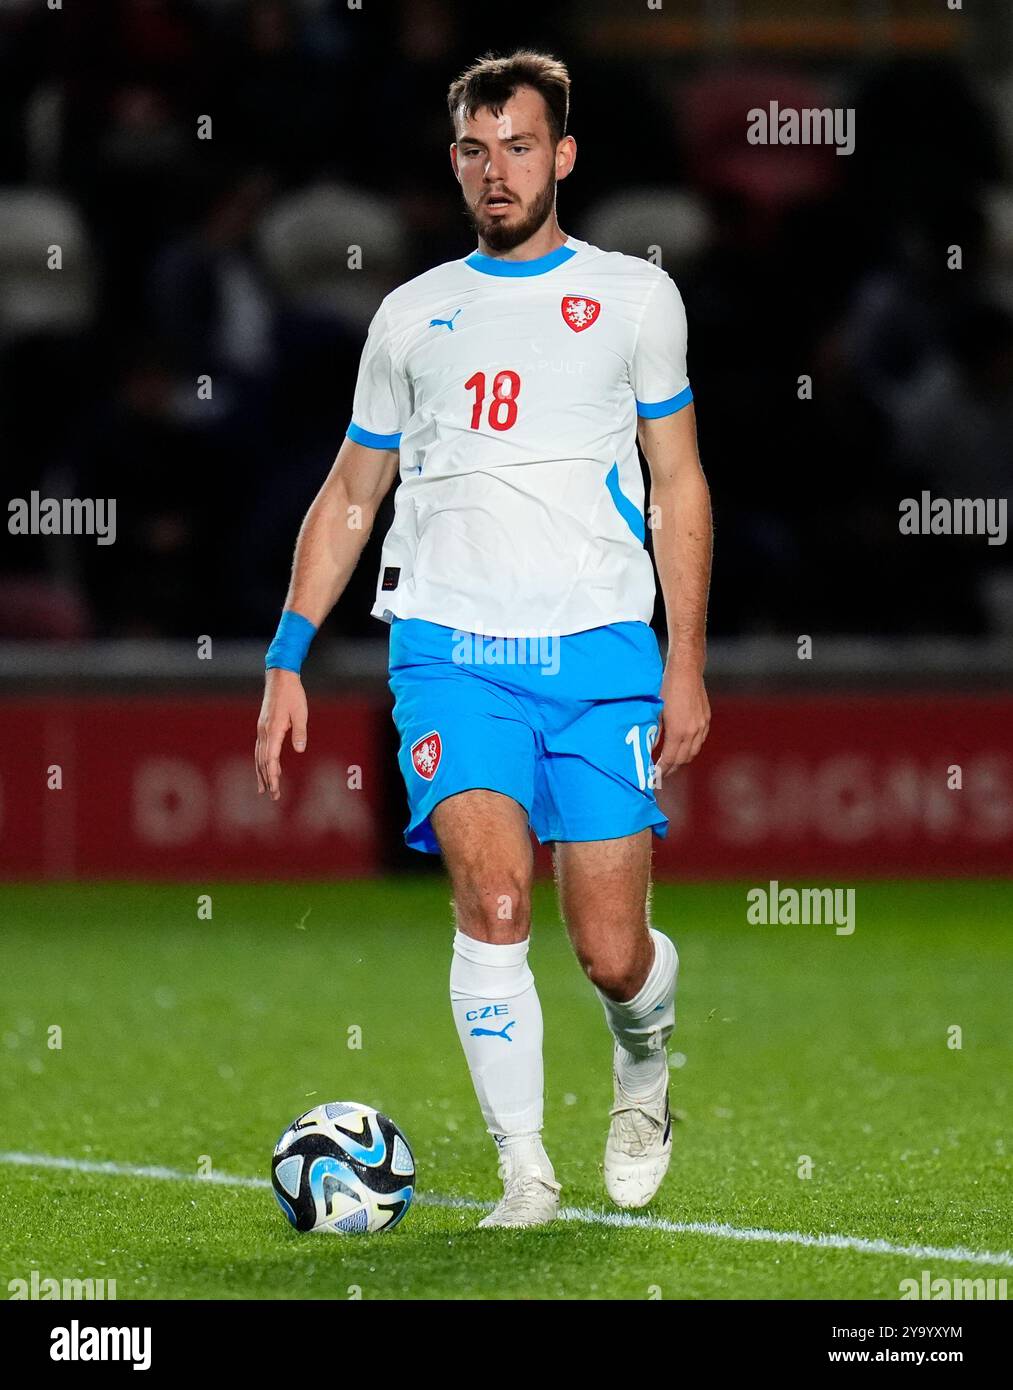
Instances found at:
x=284 y=708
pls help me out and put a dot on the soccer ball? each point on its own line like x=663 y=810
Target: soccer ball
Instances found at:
x=343 y=1167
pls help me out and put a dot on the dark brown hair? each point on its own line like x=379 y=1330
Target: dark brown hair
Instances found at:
x=492 y=81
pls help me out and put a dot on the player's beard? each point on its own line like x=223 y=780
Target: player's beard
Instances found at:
x=499 y=235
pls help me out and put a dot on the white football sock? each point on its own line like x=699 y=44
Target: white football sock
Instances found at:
x=642 y=1025
x=499 y=1022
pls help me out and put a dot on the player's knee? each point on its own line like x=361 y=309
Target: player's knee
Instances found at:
x=495 y=905
x=619 y=979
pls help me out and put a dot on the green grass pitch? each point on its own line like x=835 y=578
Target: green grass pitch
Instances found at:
x=184 y=1038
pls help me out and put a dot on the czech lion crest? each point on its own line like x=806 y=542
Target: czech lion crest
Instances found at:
x=579 y=312
x=426 y=754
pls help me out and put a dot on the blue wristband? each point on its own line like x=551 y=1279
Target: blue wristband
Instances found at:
x=291 y=642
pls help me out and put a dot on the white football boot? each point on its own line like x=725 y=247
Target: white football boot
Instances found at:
x=530 y=1196
x=639 y=1144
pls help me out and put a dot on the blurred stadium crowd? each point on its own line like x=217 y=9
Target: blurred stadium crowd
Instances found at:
x=229 y=257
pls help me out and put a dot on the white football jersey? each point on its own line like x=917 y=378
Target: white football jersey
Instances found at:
x=512 y=389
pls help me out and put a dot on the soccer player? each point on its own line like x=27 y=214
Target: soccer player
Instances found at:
x=508 y=390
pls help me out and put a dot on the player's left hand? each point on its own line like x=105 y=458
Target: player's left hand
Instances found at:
x=685 y=719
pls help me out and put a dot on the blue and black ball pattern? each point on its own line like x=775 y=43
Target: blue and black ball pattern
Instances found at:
x=343 y=1167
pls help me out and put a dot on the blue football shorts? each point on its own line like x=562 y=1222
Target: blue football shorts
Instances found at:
x=563 y=725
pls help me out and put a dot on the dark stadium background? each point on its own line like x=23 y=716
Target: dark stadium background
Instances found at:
x=184 y=257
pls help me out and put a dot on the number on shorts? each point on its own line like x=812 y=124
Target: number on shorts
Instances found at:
x=647 y=772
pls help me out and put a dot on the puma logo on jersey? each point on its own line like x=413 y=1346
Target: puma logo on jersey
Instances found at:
x=435 y=323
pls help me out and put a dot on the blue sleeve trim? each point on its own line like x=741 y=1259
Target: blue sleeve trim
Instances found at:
x=654 y=410
x=373 y=441
x=291 y=642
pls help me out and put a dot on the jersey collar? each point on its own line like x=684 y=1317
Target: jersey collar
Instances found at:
x=492 y=265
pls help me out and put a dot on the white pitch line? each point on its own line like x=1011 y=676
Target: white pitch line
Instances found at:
x=864 y=1244
x=127 y=1170
x=617 y=1219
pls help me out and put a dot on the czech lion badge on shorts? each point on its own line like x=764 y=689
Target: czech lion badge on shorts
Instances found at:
x=426 y=754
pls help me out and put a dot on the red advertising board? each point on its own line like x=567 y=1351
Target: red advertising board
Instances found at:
x=166 y=788
x=857 y=784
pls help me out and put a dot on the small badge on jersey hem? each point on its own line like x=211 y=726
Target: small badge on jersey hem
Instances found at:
x=391 y=577
x=426 y=755
x=579 y=312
